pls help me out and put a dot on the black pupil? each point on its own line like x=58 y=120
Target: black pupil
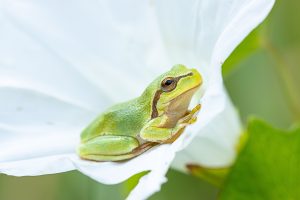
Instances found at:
x=169 y=82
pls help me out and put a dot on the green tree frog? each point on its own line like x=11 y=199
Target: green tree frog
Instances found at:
x=158 y=116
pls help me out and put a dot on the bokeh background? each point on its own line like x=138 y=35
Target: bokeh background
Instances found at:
x=262 y=77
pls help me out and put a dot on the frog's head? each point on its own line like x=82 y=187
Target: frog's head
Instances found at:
x=174 y=90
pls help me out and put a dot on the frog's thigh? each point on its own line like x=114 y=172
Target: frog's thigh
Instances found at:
x=108 y=148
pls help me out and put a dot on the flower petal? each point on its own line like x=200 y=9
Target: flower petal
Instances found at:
x=72 y=60
x=100 y=40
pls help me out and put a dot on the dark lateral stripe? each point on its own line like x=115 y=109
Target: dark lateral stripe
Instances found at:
x=154 y=113
x=182 y=76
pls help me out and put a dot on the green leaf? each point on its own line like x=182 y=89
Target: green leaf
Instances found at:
x=132 y=182
x=214 y=176
x=267 y=167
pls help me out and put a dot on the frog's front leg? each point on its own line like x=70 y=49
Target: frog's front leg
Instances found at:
x=155 y=132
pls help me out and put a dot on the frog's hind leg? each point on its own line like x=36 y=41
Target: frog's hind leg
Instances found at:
x=112 y=148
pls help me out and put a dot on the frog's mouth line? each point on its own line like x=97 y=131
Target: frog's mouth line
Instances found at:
x=182 y=94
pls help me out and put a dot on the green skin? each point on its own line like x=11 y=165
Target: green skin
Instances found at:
x=158 y=116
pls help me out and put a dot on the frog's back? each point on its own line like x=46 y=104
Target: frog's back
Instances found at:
x=125 y=118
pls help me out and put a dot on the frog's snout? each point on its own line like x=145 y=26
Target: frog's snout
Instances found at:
x=197 y=77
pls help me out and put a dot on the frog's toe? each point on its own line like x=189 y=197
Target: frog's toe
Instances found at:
x=195 y=110
x=192 y=120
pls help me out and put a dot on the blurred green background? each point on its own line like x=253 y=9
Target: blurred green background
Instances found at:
x=262 y=77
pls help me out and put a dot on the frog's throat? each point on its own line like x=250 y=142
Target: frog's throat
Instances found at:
x=178 y=107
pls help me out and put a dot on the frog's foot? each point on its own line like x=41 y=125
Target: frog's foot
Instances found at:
x=188 y=119
x=112 y=148
x=191 y=116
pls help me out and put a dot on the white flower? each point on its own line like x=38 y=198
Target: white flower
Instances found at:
x=63 y=62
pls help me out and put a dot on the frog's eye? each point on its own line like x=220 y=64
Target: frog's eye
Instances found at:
x=168 y=84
